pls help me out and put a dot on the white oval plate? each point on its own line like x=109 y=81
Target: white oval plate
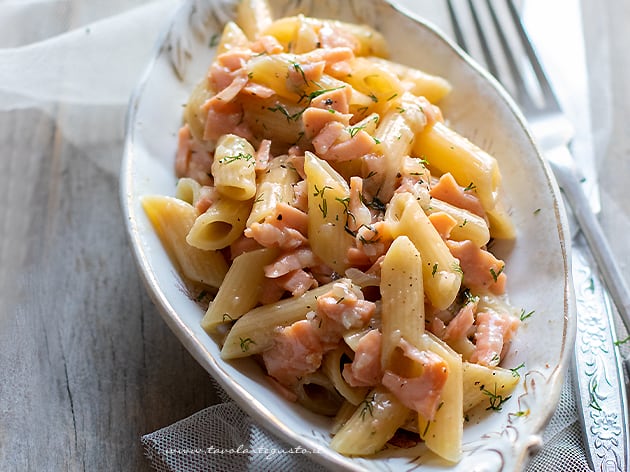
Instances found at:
x=536 y=263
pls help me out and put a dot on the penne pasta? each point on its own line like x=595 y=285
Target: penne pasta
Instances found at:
x=233 y=168
x=332 y=368
x=231 y=301
x=254 y=17
x=490 y=386
x=193 y=114
x=275 y=118
x=432 y=87
x=345 y=412
x=253 y=333
x=275 y=186
x=221 y=225
x=232 y=37
x=317 y=393
x=473 y=168
x=440 y=270
x=293 y=32
x=443 y=435
x=467 y=224
x=372 y=424
x=188 y=190
x=266 y=69
x=172 y=219
x=328 y=194
x=375 y=81
x=395 y=135
x=501 y=226
x=402 y=296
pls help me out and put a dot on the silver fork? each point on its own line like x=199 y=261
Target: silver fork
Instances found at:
x=553 y=132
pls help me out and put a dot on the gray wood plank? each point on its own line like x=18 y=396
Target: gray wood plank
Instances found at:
x=87 y=364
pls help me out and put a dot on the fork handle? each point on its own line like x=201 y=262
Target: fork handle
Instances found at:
x=569 y=179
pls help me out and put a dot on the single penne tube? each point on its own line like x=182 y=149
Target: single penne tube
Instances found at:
x=395 y=136
x=317 y=393
x=332 y=368
x=233 y=167
x=187 y=189
x=367 y=124
x=402 y=297
x=369 y=42
x=492 y=385
x=306 y=36
x=285 y=29
x=253 y=17
x=274 y=187
x=353 y=336
x=328 y=196
x=253 y=332
x=172 y=219
x=297 y=34
x=443 y=435
x=345 y=412
x=375 y=81
x=468 y=225
x=441 y=271
x=193 y=115
x=271 y=71
x=232 y=37
x=501 y=224
x=275 y=118
x=373 y=423
x=232 y=301
x=359 y=103
x=434 y=88
x=221 y=225
x=448 y=151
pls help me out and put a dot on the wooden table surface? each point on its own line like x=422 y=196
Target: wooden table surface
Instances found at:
x=87 y=365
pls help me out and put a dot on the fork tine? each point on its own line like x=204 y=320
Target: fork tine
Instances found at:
x=523 y=96
x=512 y=46
x=459 y=34
x=541 y=76
x=483 y=41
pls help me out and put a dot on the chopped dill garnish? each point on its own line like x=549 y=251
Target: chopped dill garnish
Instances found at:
x=523 y=316
x=214 y=40
x=367 y=406
x=515 y=370
x=240 y=156
x=297 y=67
x=354 y=130
x=245 y=343
x=496 y=401
x=282 y=109
x=495 y=275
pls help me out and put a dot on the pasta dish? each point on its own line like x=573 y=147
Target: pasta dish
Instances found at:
x=343 y=229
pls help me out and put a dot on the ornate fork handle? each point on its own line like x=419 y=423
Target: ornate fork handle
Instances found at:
x=569 y=180
x=600 y=379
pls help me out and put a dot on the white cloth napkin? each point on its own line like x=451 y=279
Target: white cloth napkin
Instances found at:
x=95 y=60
